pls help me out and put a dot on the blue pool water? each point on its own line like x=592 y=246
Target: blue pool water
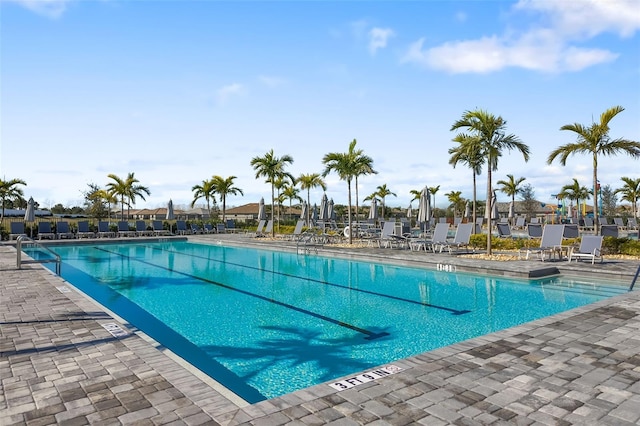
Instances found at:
x=267 y=323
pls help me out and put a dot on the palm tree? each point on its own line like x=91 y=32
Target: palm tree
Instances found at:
x=307 y=182
x=468 y=152
x=575 y=192
x=9 y=191
x=511 y=187
x=630 y=192
x=595 y=140
x=271 y=167
x=204 y=190
x=134 y=190
x=456 y=200
x=224 y=187
x=290 y=192
x=382 y=191
x=103 y=195
x=280 y=184
x=432 y=190
x=346 y=166
x=364 y=166
x=416 y=194
x=118 y=188
x=490 y=133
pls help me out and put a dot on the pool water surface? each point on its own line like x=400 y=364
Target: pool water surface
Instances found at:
x=265 y=323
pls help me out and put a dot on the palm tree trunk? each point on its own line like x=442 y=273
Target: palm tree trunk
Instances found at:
x=473 y=215
x=489 y=205
x=273 y=200
x=351 y=230
x=356 y=199
x=596 y=219
x=224 y=210
x=308 y=208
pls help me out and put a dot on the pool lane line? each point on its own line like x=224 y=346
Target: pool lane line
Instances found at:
x=374 y=293
x=370 y=334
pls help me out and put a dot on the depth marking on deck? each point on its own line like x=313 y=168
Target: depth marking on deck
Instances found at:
x=370 y=334
x=367 y=377
x=114 y=329
x=374 y=293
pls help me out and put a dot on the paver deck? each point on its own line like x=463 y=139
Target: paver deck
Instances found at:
x=59 y=365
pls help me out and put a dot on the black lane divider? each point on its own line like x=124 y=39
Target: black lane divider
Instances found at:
x=374 y=293
x=370 y=334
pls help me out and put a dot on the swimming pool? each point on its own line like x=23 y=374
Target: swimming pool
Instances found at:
x=267 y=323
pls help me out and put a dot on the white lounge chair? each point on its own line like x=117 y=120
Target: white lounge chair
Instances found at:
x=590 y=248
x=462 y=238
x=551 y=242
x=438 y=238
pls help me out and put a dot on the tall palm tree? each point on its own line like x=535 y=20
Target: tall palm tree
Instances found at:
x=204 y=190
x=490 y=133
x=457 y=202
x=468 y=152
x=290 y=192
x=346 y=166
x=364 y=166
x=106 y=196
x=630 y=192
x=382 y=191
x=119 y=189
x=432 y=190
x=416 y=194
x=575 y=192
x=135 y=190
x=271 y=167
x=9 y=191
x=511 y=187
x=223 y=187
x=280 y=184
x=595 y=140
x=308 y=181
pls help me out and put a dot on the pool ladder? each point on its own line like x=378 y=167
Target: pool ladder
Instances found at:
x=635 y=278
x=23 y=239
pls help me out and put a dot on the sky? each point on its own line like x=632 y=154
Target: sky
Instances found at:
x=179 y=91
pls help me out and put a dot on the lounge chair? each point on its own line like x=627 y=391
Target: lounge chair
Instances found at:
x=141 y=228
x=297 y=231
x=17 y=230
x=269 y=228
x=208 y=229
x=123 y=229
x=44 y=230
x=221 y=228
x=181 y=227
x=588 y=224
x=602 y=220
x=519 y=223
x=632 y=224
x=158 y=228
x=551 y=242
x=534 y=230
x=609 y=231
x=534 y=220
x=462 y=237
x=504 y=230
x=619 y=222
x=260 y=229
x=590 y=248
x=571 y=231
x=104 y=231
x=63 y=230
x=84 y=231
x=439 y=237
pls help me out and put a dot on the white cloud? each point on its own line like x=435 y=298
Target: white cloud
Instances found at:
x=49 y=8
x=271 y=81
x=541 y=48
x=378 y=38
x=226 y=92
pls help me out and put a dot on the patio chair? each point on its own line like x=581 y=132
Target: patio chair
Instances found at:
x=551 y=242
x=590 y=248
x=619 y=222
x=181 y=227
x=221 y=228
x=588 y=224
x=297 y=231
x=104 y=231
x=462 y=238
x=16 y=230
x=609 y=231
x=602 y=220
x=269 y=228
x=534 y=220
x=571 y=231
x=158 y=228
x=63 y=230
x=44 y=230
x=632 y=224
x=534 y=230
x=84 y=231
x=208 y=229
x=385 y=239
x=123 y=229
x=231 y=225
x=504 y=230
x=259 y=229
x=141 y=228
x=520 y=223
x=439 y=237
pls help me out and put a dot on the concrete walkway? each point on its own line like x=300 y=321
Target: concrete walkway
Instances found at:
x=60 y=365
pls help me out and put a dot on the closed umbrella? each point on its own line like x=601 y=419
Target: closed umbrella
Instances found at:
x=331 y=213
x=314 y=214
x=324 y=209
x=262 y=214
x=511 y=211
x=570 y=211
x=467 y=210
x=373 y=211
x=424 y=208
x=305 y=213
x=409 y=211
x=170 y=214
x=494 y=207
x=30 y=214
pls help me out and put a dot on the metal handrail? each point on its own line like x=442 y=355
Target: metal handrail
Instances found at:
x=19 y=261
x=633 y=282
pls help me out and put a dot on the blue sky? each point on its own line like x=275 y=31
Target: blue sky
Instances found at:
x=177 y=91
